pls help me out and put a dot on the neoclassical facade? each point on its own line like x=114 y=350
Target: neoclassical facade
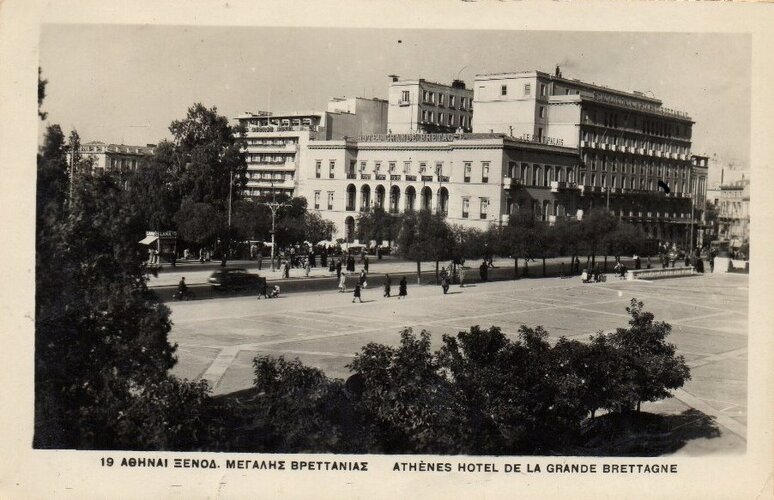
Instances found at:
x=472 y=178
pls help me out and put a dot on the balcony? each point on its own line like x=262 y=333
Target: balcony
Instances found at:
x=351 y=176
x=404 y=102
x=443 y=178
x=380 y=177
x=557 y=186
x=427 y=178
x=411 y=177
x=365 y=177
x=394 y=177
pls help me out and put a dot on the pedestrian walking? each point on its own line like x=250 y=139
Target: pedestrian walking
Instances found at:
x=342 y=283
x=577 y=264
x=402 y=288
x=483 y=270
x=363 y=276
x=307 y=267
x=387 y=285
x=356 y=294
x=365 y=263
x=462 y=276
x=286 y=274
x=259 y=257
x=445 y=284
x=338 y=268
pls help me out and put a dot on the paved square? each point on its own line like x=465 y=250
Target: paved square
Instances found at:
x=219 y=338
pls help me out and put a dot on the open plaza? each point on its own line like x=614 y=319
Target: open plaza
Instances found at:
x=218 y=338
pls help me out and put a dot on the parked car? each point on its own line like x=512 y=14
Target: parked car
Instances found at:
x=236 y=278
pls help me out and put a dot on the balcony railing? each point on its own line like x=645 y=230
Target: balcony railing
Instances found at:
x=380 y=177
x=411 y=177
x=351 y=176
x=350 y=208
x=427 y=178
x=365 y=177
x=394 y=177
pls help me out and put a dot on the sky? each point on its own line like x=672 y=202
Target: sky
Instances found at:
x=127 y=83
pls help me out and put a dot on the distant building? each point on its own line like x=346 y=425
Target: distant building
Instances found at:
x=113 y=157
x=276 y=143
x=734 y=212
x=699 y=176
x=420 y=106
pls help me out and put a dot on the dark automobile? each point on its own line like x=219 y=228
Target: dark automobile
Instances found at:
x=236 y=278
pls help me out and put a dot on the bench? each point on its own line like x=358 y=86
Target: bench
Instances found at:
x=655 y=273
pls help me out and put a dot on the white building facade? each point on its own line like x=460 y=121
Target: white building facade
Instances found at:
x=421 y=106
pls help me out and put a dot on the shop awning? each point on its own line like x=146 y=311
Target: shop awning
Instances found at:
x=148 y=240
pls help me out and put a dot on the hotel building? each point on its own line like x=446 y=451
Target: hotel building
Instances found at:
x=113 y=157
x=277 y=143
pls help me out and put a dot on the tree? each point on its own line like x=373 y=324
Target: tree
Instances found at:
x=595 y=229
x=41 y=93
x=317 y=229
x=653 y=366
x=568 y=237
x=519 y=239
x=410 y=404
x=252 y=219
x=151 y=189
x=626 y=239
x=377 y=225
x=209 y=169
x=424 y=236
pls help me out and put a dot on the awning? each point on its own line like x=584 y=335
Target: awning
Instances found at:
x=148 y=240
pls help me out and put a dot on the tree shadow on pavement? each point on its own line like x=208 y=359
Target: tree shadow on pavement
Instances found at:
x=643 y=434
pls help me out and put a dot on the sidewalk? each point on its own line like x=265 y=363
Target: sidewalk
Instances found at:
x=194 y=275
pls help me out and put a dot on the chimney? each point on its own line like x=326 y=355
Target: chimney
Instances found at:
x=458 y=84
x=394 y=78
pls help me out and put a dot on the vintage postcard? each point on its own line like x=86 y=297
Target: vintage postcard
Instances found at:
x=425 y=249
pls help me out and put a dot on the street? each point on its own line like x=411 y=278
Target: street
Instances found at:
x=219 y=338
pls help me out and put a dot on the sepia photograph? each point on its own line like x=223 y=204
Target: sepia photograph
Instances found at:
x=471 y=243
x=341 y=249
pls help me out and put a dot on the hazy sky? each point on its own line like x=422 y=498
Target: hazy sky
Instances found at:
x=120 y=83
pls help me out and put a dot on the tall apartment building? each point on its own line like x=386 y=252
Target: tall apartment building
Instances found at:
x=277 y=143
x=734 y=212
x=626 y=142
x=114 y=157
x=421 y=106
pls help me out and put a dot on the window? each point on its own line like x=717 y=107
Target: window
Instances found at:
x=503 y=90
x=463 y=100
x=362 y=166
x=422 y=167
x=424 y=115
x=439 y=168
x=451 y=101
x=440 y=99
x=391 y=167
x=377 y=167
x=406 y=167
x=331 y=168
x=542 y=90
x=330 y=200
x=468 y=169
x=542 y=111
x=484 y=207
x=316 y=200
x=404 y=97
x=527 y=89
x=317 y=168
x=465 y=207
x=451 y=119
x=485 y=171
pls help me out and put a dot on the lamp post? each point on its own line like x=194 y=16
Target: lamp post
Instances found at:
x=273 y=206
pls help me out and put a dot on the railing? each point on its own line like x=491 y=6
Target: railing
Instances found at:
x=655 y=273
x=394 y=177
x=427 y=178
x=411 y=177
x=381 y=177
x=365 y=177
x=351 y=176
x=444 y=178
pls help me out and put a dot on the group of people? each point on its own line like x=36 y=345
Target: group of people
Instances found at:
x=362 y=283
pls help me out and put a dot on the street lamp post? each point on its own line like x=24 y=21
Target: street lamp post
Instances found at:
x=274 y=206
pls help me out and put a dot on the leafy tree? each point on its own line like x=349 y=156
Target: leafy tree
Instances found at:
x=595 y=229
x=653 y=366
x=519 y=239
x=210 y=169
x=152 y=191
x=299 y=409
x=252 y=219
x=424 y=236
x=316 y=228
x=626 y=239
x=200 y=223
x=377 y=225
x=568 y=236
x=410 y=404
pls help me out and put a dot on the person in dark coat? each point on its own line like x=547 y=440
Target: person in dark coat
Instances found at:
x=387 y=285
x=484 y=271
x=350 y=264
x=402 y=288
x=338 y=268
x=323 y=258
x=365 y=263
x=356 y=293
